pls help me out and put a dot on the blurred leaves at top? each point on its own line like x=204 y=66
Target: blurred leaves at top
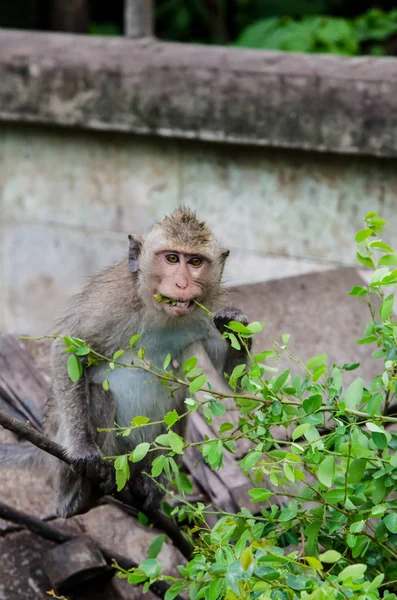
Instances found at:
x=344 y=27
x=330 y=26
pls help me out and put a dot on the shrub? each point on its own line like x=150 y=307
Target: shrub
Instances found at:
x=327 y=529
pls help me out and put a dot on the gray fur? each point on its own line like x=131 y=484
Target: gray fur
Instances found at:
x=114 y=306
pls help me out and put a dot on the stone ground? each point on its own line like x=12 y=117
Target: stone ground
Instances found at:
x=315 y=309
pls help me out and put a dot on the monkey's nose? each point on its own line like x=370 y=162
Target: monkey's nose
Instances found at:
x=181 y=283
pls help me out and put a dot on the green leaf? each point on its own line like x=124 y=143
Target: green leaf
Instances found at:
x=246 y=558
x=75 y=368
x=326 y=471
x=380 y=246
x=318 y=372
x=296 y=582
x=117 y=354
x=356 y=470
x=176 y=442
x=379 y=510
x=367 y=340
x=134 y=339
x=106 y=385
x=197 y=384
x=357 y=526
x=259 y=494
x=386 y=307
x=166 y=362
x=285 y=337
x=151 y=567
x=316 y=361
x=140 y=452
x=234 y=341
x=264 y=355
x=174 y=590
x=250 y=460
x=330 y=556
x=238 y=327
x=139 y=420
x=184 y=484
x=300 y=430
x=238 y=372
x=137 y=576
x=281 y=379
x=352 y=572
x=354 y=393
x=388 y=260
x=312 y=403
x=163 y=439
x=82 y=350
x=350 y=366
x=217 y=408
x=358 y=291
x=158 y=465
x=255 y=327
x=390 y=521
x=226 y=427
x=155 y=545
x=379 y=439
x=189 y=364
x=122 y=471
x=379 y=274
x=171 y=418
x=288 y=513
x=363 y=235
x=365 y=260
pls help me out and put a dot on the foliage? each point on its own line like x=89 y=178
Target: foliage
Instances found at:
x=326 y=526
x=327 y=26
x=323 y=34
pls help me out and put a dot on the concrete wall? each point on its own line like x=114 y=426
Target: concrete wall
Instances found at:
x=69 y=198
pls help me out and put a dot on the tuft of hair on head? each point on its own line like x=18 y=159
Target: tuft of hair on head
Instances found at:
x=183 y=227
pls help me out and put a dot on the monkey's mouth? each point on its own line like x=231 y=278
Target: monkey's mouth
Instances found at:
x=174 y=306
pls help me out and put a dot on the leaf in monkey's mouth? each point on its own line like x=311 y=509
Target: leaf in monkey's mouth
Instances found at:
x=172 y=302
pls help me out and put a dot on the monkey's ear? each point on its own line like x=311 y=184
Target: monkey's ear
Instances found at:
x=134 y=250
x=224 y=255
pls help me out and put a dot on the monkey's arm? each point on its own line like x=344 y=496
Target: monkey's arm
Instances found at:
x=69 y=414
x=233 y=357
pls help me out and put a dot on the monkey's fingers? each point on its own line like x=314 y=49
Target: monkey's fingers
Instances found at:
x=107 y=483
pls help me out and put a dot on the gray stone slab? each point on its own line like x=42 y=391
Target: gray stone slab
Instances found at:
x=288 y=204
x=46 y=265
x=321 y=102
x=21 y=577
x=85 y=180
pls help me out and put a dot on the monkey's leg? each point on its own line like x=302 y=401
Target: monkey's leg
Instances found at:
x=79 y=487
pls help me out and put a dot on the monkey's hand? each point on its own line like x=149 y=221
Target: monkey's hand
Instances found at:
x=146 y=492
x=225 y=315
x=88 y=463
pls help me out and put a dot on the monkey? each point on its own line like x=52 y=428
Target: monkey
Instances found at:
x=153 y=293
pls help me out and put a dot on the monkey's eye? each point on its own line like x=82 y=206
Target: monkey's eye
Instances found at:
x=172 y=258
x=196 y=261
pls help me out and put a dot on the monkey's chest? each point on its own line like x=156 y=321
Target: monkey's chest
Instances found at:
x=135 y=392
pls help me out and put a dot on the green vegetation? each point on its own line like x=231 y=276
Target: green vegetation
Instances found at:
x=329 y=26
x=327 y=525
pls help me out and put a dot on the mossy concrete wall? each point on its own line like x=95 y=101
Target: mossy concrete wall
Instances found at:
x=69 y=198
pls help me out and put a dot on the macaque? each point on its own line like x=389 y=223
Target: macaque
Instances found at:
x=153 y=293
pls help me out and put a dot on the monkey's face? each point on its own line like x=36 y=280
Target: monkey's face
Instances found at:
x=178 y=280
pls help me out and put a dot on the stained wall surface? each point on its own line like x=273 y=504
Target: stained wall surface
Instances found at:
x=69 y=198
